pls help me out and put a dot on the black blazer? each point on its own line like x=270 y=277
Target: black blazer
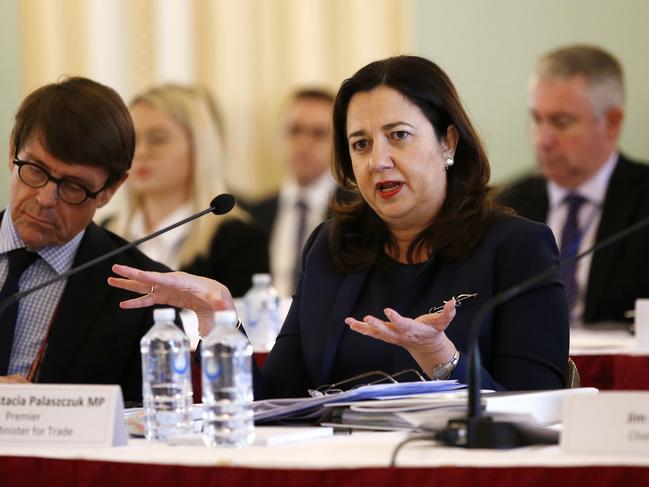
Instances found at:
x=265 y=211
x=524 y=343
x=238 y=250
x=92 y=340
x=618 y=275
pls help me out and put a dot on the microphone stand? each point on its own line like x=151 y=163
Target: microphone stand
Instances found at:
x=478 y=431
x=220 y=205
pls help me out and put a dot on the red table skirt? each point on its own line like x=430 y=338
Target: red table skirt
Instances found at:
x=20 y=471
x=614 y=372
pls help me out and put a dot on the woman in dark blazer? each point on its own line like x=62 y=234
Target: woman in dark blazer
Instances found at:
x=418 y=231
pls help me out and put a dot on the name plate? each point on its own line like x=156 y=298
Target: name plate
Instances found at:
x=609 y=422
x=642 y=323
x=62 y=414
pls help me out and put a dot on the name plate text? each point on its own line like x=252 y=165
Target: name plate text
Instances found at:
x=62 y=414
x=609 y=422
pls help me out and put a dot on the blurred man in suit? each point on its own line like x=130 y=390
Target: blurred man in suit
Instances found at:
x=587 y=190
x=71 y=148
x=289 y=216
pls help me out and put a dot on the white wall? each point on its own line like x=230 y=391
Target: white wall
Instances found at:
x=488 y=48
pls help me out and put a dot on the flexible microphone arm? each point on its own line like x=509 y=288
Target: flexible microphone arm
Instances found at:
x=476 y=431
x=220 y=205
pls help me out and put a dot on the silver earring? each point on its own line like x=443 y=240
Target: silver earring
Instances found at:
x=449 y=162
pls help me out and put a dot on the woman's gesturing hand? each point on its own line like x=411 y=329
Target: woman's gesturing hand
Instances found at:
x=423 y=337
x=202 y=295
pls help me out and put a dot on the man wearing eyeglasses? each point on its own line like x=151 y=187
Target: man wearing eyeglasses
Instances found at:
x=72 y=144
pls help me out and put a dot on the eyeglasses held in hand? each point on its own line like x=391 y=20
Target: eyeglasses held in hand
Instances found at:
x=458 y=302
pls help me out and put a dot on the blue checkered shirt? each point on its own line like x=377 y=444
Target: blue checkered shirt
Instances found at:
x=35 y=311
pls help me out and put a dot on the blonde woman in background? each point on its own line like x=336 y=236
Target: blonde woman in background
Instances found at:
x=176 y=171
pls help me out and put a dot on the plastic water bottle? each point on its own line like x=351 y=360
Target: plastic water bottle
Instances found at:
x=166 y=379
x=226 y=362
x=261 y=313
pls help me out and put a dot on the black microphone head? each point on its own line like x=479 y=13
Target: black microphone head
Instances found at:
x=222 y=204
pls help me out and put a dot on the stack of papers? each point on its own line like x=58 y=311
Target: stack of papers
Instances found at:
x=309 y=409
x=433 y=411
x=404 y=413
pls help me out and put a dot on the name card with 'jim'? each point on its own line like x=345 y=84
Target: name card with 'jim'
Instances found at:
x=62 y=414
x=609 y=422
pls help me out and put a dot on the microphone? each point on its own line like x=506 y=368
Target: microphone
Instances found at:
x=477 y=431
x=220 y=205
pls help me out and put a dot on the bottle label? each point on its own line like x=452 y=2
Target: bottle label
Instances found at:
x=180 y=363
x=212 y=370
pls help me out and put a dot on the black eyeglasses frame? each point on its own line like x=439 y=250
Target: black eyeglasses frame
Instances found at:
x=58 y=181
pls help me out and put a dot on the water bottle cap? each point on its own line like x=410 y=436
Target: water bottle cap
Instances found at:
x=263 y=279
x=164 y=314
x=228 y=317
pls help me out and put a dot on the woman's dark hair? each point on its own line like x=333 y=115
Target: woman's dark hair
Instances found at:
x=79 y=121
x=357 y=234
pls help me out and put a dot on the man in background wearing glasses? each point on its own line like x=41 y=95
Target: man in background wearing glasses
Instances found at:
x=72 y=146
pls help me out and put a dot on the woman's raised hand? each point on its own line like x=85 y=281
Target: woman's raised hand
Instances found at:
x=202 y=295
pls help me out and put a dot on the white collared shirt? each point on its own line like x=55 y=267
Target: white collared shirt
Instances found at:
x=166 y=247
x=590 y=214
x=283 y=254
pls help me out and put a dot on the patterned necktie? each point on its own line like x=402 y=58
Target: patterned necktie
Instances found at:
x=570 y=239
x=19 y=261
x=302 y=212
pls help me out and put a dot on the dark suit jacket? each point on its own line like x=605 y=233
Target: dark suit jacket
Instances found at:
x=238 y=250
x=618 y=275
x=524 y=343
x=265 y=211
x=92 y=340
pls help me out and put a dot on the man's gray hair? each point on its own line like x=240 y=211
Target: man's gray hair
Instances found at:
x=601 y=69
